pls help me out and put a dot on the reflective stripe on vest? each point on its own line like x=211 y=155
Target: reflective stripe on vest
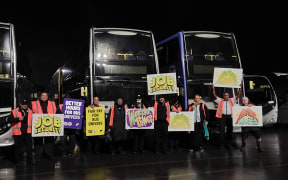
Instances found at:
x=16 y=128
x=221 y=105
x=37 y=109
x=167 y=105
x=112 y=115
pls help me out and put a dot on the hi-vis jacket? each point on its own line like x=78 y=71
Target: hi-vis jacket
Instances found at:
x=179 y=109
x=37 y=109
x=221 y=105
x=167 y=105
x=16 y=128
x=112 y=114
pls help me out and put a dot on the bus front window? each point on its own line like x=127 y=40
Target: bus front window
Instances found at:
x=205 y=51
x=123 y=53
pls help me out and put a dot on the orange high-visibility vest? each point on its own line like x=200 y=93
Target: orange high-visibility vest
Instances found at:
x=16 y=127
x=37 y=109
x=179 y=109
x=221 y=105
x=167 y=105
x=112 y=114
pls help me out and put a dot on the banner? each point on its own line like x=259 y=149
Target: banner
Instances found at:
x=227 y=77
x=73 y=113
x=162 y=84
x=47 y=125
x=244 y=116
x=139 y=119
x=95 y=121
x=182 y=121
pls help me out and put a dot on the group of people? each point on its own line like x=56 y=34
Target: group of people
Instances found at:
x=21 y=119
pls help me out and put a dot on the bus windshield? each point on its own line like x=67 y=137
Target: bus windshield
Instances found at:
x=123 y=52
x=204 y=51
x=259 y=91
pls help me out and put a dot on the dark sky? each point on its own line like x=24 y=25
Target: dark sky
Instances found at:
x=51 y=33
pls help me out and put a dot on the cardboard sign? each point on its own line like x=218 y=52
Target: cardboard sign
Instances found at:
x=47 y=125
x=182 y=121
x=227 y=77
x=95 y=121
x=244 y=116
x=139 y=119
x=162 y=84
x=73 y=113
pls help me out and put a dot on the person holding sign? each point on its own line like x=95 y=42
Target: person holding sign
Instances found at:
x=201 y=116
x=116 y=119
x=44 y=106
x=138 y=134
x=94 y=141
x=162 y=119
x=253 y=130
x=174 y=137
x=224 y=113
x=21 y=119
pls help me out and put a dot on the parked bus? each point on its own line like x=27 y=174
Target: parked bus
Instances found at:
x=11 y=81
x=115 y=66
x=193 y=56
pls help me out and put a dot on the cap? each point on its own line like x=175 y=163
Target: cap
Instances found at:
x=25 y=102
x=138 y=96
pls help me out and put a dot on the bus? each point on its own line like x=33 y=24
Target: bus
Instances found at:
x=260 y=92
x=115 y=65
x=192 y=55
x=11 y=80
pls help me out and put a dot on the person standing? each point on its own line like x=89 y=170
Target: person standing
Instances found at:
x=253 y=130
x=174 y=137
x=94 y=141
x=138 y=134
x=224 y=113
x=201 y=113
x=162 y=119
x=21 y=119
x=44 y=106
x=116 y=119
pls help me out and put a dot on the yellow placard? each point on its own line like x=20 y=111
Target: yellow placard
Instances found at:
x=95 y=121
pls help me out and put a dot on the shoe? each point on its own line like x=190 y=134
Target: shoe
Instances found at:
x=191 y=150
x=201 y=149
x=221 y=147
x=19 y=164
x=260 y=150
x=31 y=162
x=121 y=152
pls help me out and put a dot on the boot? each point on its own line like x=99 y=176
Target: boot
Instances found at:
x=259 y=149
x=243 y=148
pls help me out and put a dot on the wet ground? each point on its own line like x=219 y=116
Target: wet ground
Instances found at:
x=214 y=164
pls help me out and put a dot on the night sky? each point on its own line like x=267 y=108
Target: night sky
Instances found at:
x=51 y=33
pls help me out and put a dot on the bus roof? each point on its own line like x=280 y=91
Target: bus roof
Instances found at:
x=124 y=29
